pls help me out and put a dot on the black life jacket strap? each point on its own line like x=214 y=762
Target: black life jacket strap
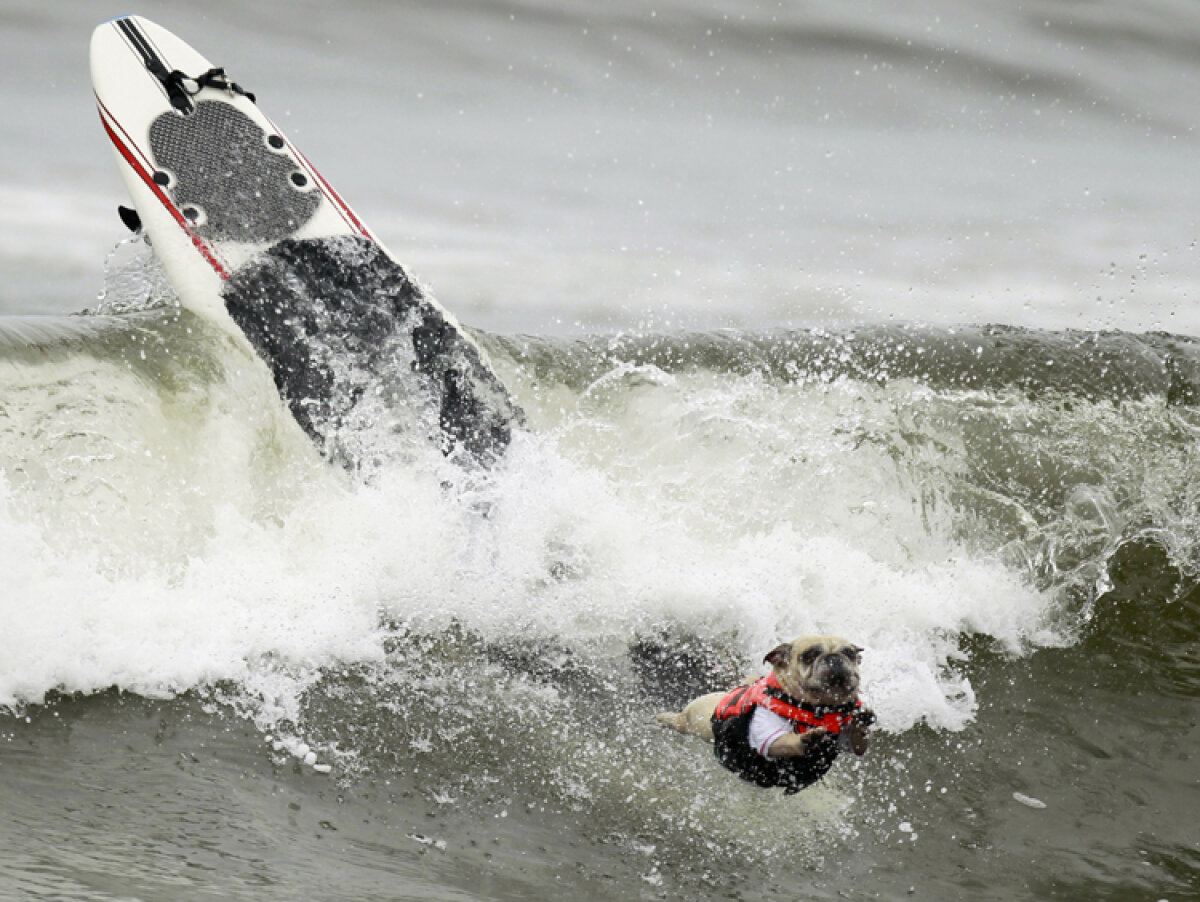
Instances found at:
x=817 y=710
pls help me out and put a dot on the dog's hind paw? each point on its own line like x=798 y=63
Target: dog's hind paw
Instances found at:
x=673 y=720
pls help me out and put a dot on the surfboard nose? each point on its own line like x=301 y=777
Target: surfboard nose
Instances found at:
x=131 y=29
x=102 y=39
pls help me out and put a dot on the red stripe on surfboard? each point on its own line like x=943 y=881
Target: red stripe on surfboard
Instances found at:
x=346 y=211
x=129 y=142
x=341 y=203
x=127 y=152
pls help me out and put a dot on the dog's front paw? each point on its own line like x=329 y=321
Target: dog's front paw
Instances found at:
x=814 y=735
x=858 y=731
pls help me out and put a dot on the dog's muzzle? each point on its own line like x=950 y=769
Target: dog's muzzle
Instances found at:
x=835 y=672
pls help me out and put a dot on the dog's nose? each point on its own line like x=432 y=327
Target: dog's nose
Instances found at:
x=834 y=669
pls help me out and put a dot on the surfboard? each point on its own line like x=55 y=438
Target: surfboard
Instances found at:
x=247 y=229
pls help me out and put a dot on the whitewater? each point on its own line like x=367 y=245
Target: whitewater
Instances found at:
x=864 y=321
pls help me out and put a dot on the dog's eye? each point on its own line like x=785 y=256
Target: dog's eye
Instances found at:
x=854 y=654
x=810 y=655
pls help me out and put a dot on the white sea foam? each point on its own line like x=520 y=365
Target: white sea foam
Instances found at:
x=724 y=506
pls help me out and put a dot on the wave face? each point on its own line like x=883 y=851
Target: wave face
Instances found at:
x=1003 y=518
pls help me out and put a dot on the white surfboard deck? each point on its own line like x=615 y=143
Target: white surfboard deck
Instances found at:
x=213 y=180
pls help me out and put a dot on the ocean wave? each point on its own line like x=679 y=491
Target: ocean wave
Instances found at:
x=1112 y=366
x=719 y=485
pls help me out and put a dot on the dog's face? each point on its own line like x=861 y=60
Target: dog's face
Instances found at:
x=819 y=670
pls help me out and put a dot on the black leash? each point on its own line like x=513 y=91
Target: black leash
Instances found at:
x=181 y=87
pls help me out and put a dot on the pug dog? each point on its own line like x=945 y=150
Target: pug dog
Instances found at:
x=786 y=728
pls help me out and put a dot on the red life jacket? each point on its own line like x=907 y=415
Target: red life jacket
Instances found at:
x=768 y=694
x=731 y=733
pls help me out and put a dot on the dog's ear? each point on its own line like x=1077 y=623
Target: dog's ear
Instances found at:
x=779 y=656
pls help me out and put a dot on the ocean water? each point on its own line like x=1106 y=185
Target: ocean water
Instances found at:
x=841 y=318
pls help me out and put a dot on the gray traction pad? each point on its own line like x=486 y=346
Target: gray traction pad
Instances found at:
x=219 y=162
